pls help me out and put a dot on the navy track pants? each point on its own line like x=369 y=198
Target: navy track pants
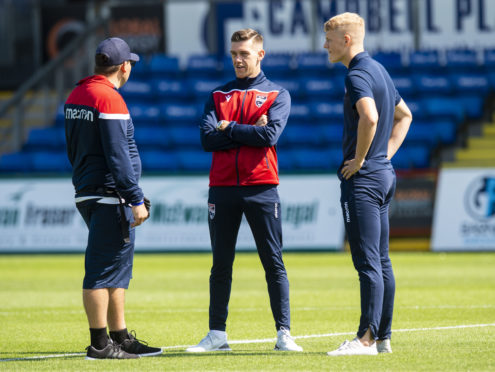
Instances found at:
x=365 y=201
x=261 y=206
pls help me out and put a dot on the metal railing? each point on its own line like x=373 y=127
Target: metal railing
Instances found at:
x=36 y=101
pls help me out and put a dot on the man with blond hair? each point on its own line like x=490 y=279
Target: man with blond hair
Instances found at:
x=241 y=124
x=376 y=121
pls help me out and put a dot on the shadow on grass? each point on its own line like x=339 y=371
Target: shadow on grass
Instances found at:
x=236 y=353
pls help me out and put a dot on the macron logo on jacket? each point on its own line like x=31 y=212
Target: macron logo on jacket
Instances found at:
x=100 y=139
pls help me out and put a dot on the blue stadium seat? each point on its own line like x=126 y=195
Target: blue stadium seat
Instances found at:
x=180 y=113
x=331 y=134
x=42 y=139
x=310 y=159
x=412 y=156
x=198 y=161
x=472 y=104
x=309 y=64
x=164 y=66
x=170 y=89
x=185 y=136
x=327 y=111
x=446 y=131
x=461 y=59
x=284 y=158
x=143 y=112
x=443 y=108
x=52 y=162
x=292 y=85
x=17 y=162
x=60 y=116
x=151 y=137
x=300 y=112
x=228 y=68
x=428 y=83
x=432 y=132
x=137 y=90
x=141 y=70
x=417 y=109
x=201 y=88
x=277 y=65
x=203 y=66
x=471 y=83
x=301 y=134
x=424 y=60
x=158 y=161
x=491 y=79
x=489 y=60
x=322 y=88
x=422 y=133
x=405 y=85
x=392 y=61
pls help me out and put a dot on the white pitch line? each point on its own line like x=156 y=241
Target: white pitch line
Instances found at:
x=266 y=340
x=42 y=357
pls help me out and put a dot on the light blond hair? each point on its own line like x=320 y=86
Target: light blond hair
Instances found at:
x=348 y=23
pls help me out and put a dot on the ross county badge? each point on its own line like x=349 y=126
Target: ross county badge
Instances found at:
x=260 y=100
x=211 y=210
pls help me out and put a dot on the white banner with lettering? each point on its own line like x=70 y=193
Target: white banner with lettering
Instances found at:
x=464 y=216
x=40 y=215
x=297 y=25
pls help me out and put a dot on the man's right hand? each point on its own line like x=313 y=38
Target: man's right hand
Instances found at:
x=140 y=214
x=262 y=121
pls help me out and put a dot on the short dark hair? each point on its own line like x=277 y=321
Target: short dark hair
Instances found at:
x=247 y=34
x=102 y=67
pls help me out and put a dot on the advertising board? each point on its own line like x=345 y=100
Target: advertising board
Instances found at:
x=40 y=215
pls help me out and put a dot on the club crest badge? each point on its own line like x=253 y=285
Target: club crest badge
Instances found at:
x=211 y=210
x=260 y=100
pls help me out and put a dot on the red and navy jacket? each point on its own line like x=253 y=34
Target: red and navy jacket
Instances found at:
x=100 y=139
x=244 y=154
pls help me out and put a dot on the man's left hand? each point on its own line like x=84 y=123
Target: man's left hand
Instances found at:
x=351 y=167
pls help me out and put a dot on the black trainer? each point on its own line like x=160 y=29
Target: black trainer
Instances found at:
x=111 y=351
x=139 y=347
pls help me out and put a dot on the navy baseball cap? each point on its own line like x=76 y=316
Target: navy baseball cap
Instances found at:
x=117 y=51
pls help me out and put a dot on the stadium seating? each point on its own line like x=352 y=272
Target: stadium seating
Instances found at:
x=311 y=64
x=159 y=161
x=443 y=89
x=204 y=67
x=164 y=66
x=42 y=139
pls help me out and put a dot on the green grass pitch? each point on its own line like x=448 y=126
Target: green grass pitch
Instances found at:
x=41 y=313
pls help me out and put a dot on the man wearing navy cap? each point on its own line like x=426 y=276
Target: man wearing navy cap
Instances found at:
x=376 y=121
x=106 y=170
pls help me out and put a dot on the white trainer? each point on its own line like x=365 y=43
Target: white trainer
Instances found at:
x=214 y=341
x=384 y=346
x=285 y=342
x=354 y=347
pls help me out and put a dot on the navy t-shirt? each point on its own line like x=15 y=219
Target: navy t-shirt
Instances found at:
x=368 y=78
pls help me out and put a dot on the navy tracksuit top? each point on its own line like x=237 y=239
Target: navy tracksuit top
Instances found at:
x=100 y=139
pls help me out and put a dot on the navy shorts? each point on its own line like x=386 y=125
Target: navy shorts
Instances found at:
x=108 y=261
